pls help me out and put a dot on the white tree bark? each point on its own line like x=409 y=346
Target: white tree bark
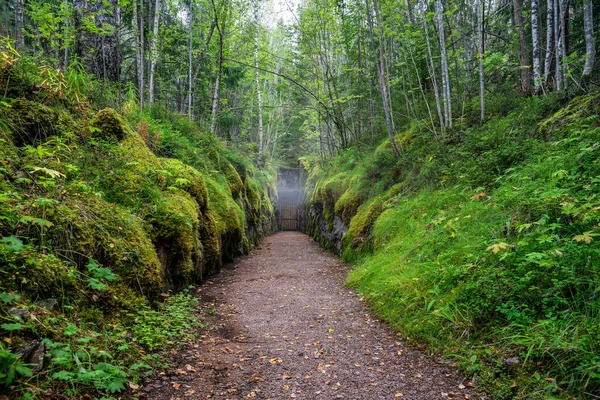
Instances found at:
x=535 y=36
x=549 y=40
x=480 y=30
x=590 y=45
x=190 y=46
x=257 y=78
x=382 y=84
x=153 y=51
x=138 y=24
x=444 y=65
x=431 y=67
x=557 y=48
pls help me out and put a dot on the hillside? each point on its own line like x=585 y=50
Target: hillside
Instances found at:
x=102 y=214
x=484 y=247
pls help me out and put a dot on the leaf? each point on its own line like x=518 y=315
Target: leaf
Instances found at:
x=104 y=273
x=50 y=172
x=585 y=237
x=23 y=370
x=70 y=330
x=12 y=327
x=96 y=284
x=38 y=221
x=63 y=375
x=495 y=248
x=13 y=243
x=7 y=297
x=116 y=385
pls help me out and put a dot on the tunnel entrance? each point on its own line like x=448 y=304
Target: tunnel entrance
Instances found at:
x=290 y=188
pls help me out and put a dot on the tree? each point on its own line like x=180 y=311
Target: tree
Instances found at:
x=590 y=44
x=524 y=63
x=444 y=61
x=19 y=36
x=535 y=36
x=153 y=50
x=257 y=77
x=382 y=83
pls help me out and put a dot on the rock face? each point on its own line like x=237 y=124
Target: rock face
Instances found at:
x=328 y=235
x=33 y=353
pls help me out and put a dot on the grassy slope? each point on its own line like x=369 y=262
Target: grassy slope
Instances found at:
x=104 y=215
x=486 y=248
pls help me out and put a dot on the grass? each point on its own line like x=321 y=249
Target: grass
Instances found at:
x=104 y=213
x=488 y=248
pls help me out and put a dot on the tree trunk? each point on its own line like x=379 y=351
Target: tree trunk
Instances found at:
x=590 y=44
x=138 y=23
x=257 y=78
x=108 y=60
x=535 y=36
x=557 y=46
x=153 y=50
x=19 y=36
x=217 y=91
x=549 y=41
x=431 y=67
x=444 y=62
x=480 y=30
x=564 y=26
x=382 y=83
x=523 y=53
x=190 y=54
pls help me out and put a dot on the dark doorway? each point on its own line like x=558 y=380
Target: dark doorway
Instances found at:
x=290 y=187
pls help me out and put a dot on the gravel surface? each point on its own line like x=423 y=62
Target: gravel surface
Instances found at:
x=284 y=326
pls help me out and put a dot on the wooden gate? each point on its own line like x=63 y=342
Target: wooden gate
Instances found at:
x=290 y=188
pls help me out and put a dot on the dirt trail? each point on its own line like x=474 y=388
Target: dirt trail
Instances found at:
x=286 y=327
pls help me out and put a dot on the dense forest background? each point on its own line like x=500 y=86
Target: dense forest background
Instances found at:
x=332 y=75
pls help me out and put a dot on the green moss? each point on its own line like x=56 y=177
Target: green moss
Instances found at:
x=233 y=179
x=327 y=192
x=578 y=110
x=89 y=228
x=108 y=125
x=188 y=178
x=360 y=226
x=175 y=231
x=29 y=122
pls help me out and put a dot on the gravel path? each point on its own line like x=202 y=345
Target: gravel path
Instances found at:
x=284 y=326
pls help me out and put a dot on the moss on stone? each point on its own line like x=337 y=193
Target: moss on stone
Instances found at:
x=89 y=228
x=175 y=231
x=188 y=179
x=29 y=122
x=233 y=179
x=108 y=125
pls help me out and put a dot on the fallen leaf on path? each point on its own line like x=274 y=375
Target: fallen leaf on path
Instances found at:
x=133 y=386
x=287 y=377
x=176 y=385
x=398 y=395
x=285 y=387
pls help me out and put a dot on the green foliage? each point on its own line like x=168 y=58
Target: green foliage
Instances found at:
x=11 y=367
x=96 y=224
x=486 y=249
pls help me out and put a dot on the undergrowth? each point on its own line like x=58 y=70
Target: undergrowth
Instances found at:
x=484 y=248
x=105 y=209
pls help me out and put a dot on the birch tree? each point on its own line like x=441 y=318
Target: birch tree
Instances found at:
x=138 y=23
x=590 y=44
x=382 y=83
x=481 y=42
x=257 y=78
x=19 y=35
x=535 y=37
x=153 y=50
x=549 y=41
x=444 y=63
